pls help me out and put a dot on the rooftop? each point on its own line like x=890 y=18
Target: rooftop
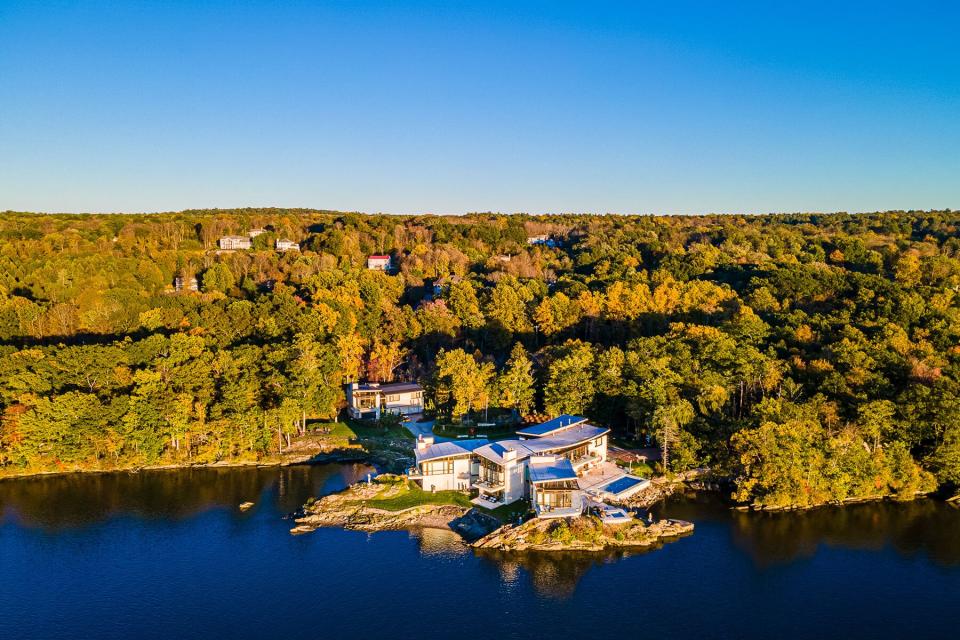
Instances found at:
x=448 y=449
x=389 y=387
x=557 y=469
x=495 y=450
x=525 y=448
x=542 y=429
x=568 y=437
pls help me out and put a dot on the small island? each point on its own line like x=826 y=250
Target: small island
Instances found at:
x=392 y=502
x=550 y=487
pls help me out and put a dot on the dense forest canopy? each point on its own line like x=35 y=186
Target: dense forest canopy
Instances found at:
x=813 y=357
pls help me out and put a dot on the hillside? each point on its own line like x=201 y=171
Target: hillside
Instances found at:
x=814 y=357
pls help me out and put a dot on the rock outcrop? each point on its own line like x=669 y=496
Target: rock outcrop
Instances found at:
x=581 y=534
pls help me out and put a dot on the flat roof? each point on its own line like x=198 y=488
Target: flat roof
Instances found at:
x=558 y=469
x=568 y=437
x=389 y=387
x=544 y=428
x=448 y=449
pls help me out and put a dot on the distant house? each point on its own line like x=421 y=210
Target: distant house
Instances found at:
x=231 y=243
x=253 y=233
x=443 y=283
x=370 y=400
x=286 y=245
x=181 y=283
x=542 y=239
x=379 y=263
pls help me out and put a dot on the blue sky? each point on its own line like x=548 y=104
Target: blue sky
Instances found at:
x=450 y=107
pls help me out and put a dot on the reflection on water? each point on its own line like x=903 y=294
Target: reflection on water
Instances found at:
x=73 y=500
x=928 y=527
x=439 y=542
x=552 y=574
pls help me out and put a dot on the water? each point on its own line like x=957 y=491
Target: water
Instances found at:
x=167 y=554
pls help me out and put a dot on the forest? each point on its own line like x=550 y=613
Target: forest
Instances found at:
x=810 y=357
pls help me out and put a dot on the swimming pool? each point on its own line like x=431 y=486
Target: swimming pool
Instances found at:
x=620 y=485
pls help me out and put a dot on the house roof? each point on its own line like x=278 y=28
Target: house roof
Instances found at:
x=557 y=469
x=495 y=450
x=378 y=257
x=389 y=387
x=568 y=437
x=560 y=422
x=448 y=449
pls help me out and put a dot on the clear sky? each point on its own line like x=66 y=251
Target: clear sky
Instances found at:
x=449 y=107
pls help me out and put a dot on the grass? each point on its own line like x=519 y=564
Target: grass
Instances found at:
x=410 y=495
x=641 y=469
x=340 y=433
x=508 y=512
x=361 y=429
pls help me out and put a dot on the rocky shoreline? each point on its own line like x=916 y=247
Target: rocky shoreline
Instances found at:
x=359 y=507
x=582 y=534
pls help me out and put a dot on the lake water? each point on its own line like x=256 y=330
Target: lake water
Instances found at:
x=167 y=554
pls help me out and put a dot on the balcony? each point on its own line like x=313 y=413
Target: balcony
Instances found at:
x=583 y=461
x=488 y=485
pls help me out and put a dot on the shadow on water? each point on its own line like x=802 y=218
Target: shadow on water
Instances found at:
x=929 y=527
x=68 y=501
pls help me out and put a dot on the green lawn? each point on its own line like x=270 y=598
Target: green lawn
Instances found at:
x=508 y=512
x=362 y=429
x=413 y=496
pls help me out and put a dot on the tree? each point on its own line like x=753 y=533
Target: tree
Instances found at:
x=461 y=384
x=218 y=278
x=668 y=422
x=569 y=387
x=515 y=383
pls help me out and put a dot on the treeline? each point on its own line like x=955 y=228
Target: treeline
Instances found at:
x=812 y=356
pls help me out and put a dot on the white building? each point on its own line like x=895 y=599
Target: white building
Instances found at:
x=253 y=233
x=379 y=263
x=231 y=243
x=446 y=466
x=548 y=465
x=371 y=399
x=286 y=245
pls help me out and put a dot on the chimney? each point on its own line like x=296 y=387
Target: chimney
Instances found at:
x=509 y=455
x=424 y=442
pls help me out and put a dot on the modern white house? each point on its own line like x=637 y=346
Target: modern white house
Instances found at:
x=559 y=466
x=446 y=466
x=369 y=400
x=286 y=245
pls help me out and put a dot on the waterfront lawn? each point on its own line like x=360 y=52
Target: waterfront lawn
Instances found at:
x=368 y=430
x=408 y=495
x=508 y=513
x=334 y=434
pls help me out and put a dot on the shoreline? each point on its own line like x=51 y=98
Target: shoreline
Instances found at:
x=319 y=458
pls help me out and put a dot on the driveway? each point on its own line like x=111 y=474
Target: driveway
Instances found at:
x=424 y=429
